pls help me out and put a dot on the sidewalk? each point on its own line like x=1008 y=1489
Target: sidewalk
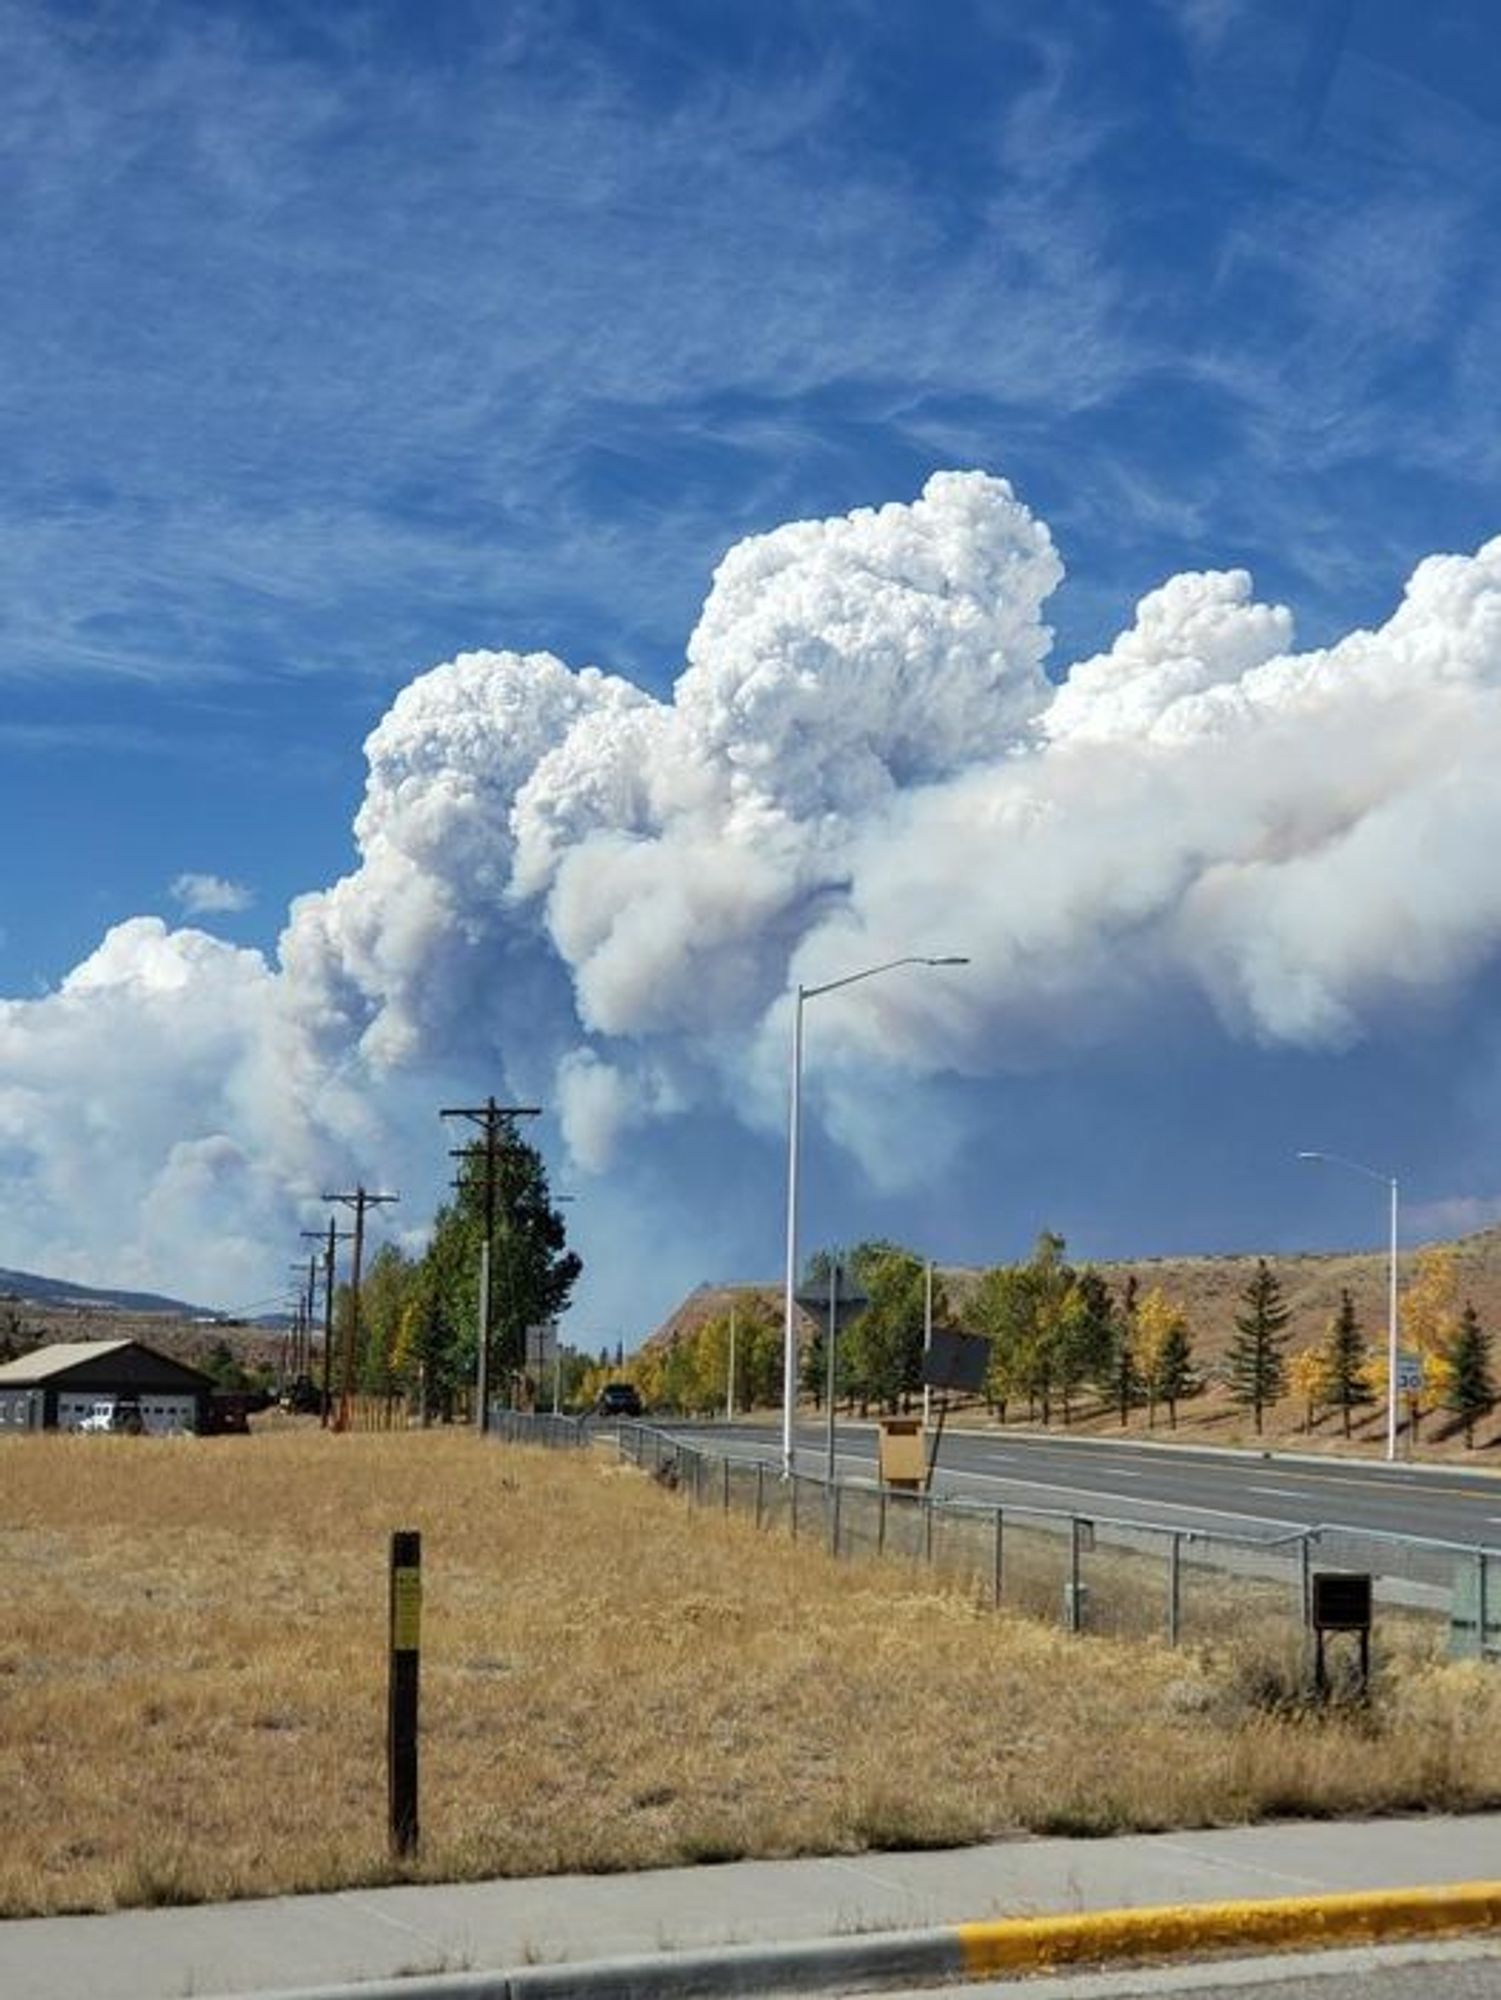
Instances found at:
x=312 y=1942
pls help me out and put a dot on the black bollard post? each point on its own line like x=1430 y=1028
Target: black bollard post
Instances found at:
x=405 y=1657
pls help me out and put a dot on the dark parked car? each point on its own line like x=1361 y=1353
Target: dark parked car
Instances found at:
x=619 y=1399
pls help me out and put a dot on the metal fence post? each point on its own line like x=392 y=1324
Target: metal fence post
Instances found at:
x=1305 y=1580
x=1481 y=1607
x=1072 y=1606
x=793 y=1499
x=834 y=1520
x=995 y=1562
x=726 y=1464
x=760 y=1474
x=927 y=1528
x=1174 y=1586
x=881 y=1523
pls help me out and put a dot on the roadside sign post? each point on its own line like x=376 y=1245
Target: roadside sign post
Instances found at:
x=1409 y=1385
x=952 y=1360
x=405 y=1654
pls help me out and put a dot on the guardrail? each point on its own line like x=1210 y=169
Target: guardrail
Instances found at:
x=1094 y=1572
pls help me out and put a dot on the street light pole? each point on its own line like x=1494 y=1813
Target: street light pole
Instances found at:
x=789 y=1302
x=801 y=995
x=1389 y=1181
x=1391 y=1330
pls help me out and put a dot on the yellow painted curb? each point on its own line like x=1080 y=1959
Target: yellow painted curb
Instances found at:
x=1370 y=1916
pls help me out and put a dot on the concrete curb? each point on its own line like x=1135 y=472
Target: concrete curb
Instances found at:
x=1371 y=1916
x=850 y=1964
x=971 y=1951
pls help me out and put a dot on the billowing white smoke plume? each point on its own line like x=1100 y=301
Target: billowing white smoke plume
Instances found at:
x=606 y=897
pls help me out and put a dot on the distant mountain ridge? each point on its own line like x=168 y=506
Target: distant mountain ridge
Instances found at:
x=33 y=1289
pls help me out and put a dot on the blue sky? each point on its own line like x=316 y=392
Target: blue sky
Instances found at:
x=338 y=345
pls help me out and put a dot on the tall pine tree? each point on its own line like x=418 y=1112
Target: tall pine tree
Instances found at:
x=1173 y=1367
x=532 y=1271
x=1345 y=1381
x=1258 y=1361
x=1122 y=1380
x=1471 y=1390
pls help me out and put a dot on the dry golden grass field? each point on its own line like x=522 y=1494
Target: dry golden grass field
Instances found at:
x=192 y=1684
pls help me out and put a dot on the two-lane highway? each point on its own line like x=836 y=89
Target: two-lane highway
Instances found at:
x=1174 y=1486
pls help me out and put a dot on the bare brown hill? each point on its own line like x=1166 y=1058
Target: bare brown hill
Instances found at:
x=1209 y=1289
x=27 y=1323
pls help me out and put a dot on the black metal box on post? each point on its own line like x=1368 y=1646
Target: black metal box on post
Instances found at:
x=1340 y=1601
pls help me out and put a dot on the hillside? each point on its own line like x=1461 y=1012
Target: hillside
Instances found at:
x=36 y=1311
x=1208 y=1289
x=30 y=1288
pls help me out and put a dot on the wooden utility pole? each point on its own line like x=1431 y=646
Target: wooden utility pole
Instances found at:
x=335 y=1235
x=496 y=1122
x=359 y=1201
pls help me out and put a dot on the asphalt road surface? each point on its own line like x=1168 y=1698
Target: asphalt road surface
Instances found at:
x=1232 y=1492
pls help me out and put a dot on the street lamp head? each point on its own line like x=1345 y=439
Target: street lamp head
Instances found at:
x=952 y=959
x=1310 y=1156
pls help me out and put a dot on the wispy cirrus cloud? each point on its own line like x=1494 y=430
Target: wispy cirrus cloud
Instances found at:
x=558 y=263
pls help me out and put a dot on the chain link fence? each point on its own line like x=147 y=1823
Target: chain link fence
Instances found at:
x=526 y=1427
x=1096 y=1572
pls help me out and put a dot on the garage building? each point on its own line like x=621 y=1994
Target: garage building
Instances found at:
x=59 y=1388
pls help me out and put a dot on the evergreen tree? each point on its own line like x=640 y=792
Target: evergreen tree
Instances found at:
x=1121 y=1377
x=1471 y=1389
x=1258 y=1366
x=1430 y=1322
x=532 y=1272
x=1345 y=1359
x=1086 y=1334
x=1174 y=1374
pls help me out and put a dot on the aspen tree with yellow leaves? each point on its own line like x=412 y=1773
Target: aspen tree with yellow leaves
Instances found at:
x=1429 y=1322
x=1308 y=1372
x=1163 y=1354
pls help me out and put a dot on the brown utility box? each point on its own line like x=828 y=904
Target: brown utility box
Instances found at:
x=904 y=1460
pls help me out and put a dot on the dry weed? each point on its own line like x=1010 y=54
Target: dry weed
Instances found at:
x=192 y=1684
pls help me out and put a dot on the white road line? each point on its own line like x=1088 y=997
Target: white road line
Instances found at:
x=1098 y=1494
x=1279 y=1492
